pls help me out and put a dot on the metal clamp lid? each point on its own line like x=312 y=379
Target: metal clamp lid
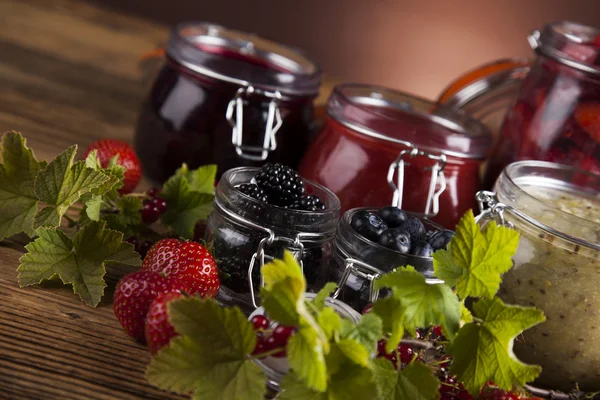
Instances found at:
x=432 y=205
x=554 y=36
x=274 y=122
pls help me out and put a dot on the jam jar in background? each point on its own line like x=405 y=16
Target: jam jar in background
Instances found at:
x=557 y=115
x=488 y=92
x=357 y=262
x=380 y=147
x=556 y=209
x=243 y=232
x=228 y=98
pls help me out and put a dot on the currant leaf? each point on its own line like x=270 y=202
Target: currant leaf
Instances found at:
x=475 y=260
x=330 y=322
x=367 y=332
x=306 y=356
x=80 y=261
x=18 y=201
x=186 y=205
x=415 y=382
x=61 y=183
x=210 y=358
x=319 y=300
x=202 y=179
x=482 y=349
x=423 y=304
x=391 y=312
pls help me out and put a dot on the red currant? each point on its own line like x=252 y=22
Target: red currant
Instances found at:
x=445 y=362
x=133 y=241
x=159 y=203
x=418 y=334
x=367 y=309
x=381 y=348
x=260 y=346
x=270 y=343
x=143 y=247
x=150 y=213
x=153 y=192
x=437 y=330
x=260 y=322
x=282 y=334
x=406 y=353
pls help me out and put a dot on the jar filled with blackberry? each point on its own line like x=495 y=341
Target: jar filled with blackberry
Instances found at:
x=370 y=242
x=259 y=213
x=228 y=98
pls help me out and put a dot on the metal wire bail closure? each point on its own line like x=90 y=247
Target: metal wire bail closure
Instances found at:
x=490 y=206
x=295 y=245
x=432 y=206
x=362 y=270
x=274 y=122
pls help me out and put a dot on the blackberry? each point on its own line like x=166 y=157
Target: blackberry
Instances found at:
x=308 y=203
x=250 y=189
x=281 y=184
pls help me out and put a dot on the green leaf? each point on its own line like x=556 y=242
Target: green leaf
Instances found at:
x=354 y=351
x=329 y=321
x=483 y=351
x=351 y=382
x=319 y=300
x=415 y=382
x=283 y=293
x=465 y=314
x=306 y=356
x=93 y=206
x=128 y=217
x=186 y=206
x=80 y=261
x=61 y=184
x=210 y=358
x=423 y=304
x=201 y=180
x=391 y=312
x=475 y=260
x=115 y=173
x=367 y=332
x=18 y=202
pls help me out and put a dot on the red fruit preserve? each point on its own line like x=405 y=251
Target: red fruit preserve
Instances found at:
x=228 y=98
x=557 y=114
x=380 y=147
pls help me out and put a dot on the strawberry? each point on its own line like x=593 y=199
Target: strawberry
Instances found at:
x=133 y=296
x=188 y=262
x=587 y=116
x=159 y=331
x=107 y=149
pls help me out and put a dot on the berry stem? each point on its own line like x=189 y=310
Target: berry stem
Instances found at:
x=268 y=353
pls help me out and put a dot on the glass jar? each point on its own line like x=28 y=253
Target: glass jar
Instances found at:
x=556 y=209
x=275 y=367
x=380 y=147
x=557 y=115
x=488 y=92
x=357 y=262
x=228 y=98
x=244 y=233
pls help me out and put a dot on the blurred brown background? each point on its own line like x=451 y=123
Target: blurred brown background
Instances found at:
x=412 y=45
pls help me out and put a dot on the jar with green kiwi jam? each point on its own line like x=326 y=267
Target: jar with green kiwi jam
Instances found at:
x=556 y=209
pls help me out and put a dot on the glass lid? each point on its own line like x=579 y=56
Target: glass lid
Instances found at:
x=243 y=59
x=389 y=115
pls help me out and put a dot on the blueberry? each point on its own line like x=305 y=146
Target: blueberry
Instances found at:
x=392 y=216
x=440 y=239
x=368 y=225
x=395 y=239
x=422 y=249
x=415 y=229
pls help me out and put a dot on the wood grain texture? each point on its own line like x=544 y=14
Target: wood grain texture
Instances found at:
x=68 y=74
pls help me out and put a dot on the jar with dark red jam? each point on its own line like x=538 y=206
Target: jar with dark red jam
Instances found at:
x=228 y=98
x=557 y=114
x=381 y=147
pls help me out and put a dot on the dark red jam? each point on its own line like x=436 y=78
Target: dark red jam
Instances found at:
x=366 y=130
x=184 y=119
x=557 y=115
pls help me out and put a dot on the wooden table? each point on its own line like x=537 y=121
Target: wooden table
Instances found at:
x=68 y=74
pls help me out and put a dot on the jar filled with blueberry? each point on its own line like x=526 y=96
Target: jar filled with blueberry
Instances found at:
x=372 y=241
x=259 y=213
